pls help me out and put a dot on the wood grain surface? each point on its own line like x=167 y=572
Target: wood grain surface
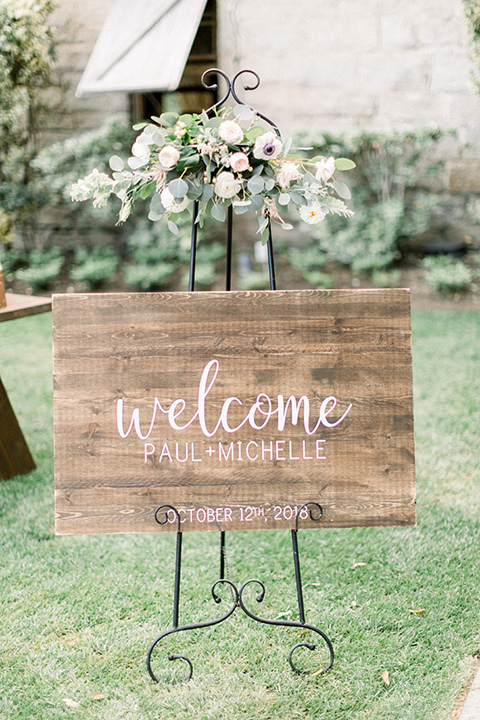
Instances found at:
x=239 y=371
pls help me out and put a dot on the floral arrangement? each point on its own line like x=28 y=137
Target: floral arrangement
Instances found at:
x=225 y=160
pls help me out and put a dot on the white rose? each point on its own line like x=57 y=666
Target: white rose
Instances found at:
x=170 y=203
x=288 y=172
x=239 y=162
x=168 y=156
x=325 y=169
x=230 y=132
x=312 y=214
x=267 y=146
x=226 y=185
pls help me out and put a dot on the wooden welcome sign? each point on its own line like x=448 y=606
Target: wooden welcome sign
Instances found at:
x=234 y=407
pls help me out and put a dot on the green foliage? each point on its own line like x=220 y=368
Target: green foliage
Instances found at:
x=309 y=262
x=446 y=274
x=389 y=206
x=472 y=13
x=26 y=58
x=155 y=255
x=44 y=267
x=94 y=266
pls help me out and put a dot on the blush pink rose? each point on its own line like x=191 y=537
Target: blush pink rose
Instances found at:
x=239 y=162
x=168 y=156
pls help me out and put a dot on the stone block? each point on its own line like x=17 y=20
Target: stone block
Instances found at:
x=465 y=177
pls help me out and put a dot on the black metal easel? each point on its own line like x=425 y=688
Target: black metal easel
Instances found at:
x=162 y=512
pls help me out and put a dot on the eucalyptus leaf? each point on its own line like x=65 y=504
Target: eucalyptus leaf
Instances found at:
x=298 y=198
x=178 y=188
x=116 y=163
x=136 y=162
x=257 y=170
x=287 y=146
x=243 y=113
x=207 y=192
x=256 y=202
x=342 y=190
x=256 y=184
x=156 y=204
x=287 y=226
x=265 y=235
x=172 y=227
x=214 y=122
x=262 y=223
x=140 y=126
x=284 y=198
x=186 y=118
x=218 y=212
x=168 y=119
x=241 y=209
x=255 y=132
x=344 y=164
x=157 y=139
x=269 y=184
x=154 y=216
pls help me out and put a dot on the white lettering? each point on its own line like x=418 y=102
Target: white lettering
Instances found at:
x=291 y=407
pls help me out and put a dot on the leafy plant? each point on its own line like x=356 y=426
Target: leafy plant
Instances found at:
x=44 y=268
x=472 y=13
x=26 y=58
x=94 y=266
x=309 y=262
x=447 y=274
x=155 y=255
x=389 y=206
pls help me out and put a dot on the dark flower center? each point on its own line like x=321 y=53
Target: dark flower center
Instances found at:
x=268 y=149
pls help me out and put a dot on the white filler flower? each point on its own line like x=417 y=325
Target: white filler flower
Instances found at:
x=325 y=169
x=312 y=214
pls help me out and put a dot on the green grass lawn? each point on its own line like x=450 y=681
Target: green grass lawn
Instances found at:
x=79 y=613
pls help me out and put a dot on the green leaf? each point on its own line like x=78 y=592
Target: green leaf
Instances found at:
x=147 y=189
x=178 y=188
x=262 y=223
x=156 y=204
x=140 y=126
x=172 y=227
x=186 y=118
x=256 y=202
x=344 y=164
x=116 y=163
x=284 y=198
x=269 y=184
x=154 y=216
x=243 y=113
x=342 y=190
x=214 y=122
x=287 y=226
x=241 y=209
x=207 y=193
x=255 y=132
x=256 y=184
x=168 y=119
x=218 y=212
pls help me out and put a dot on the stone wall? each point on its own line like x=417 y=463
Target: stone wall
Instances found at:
x=344 y=64
x=324 y=64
